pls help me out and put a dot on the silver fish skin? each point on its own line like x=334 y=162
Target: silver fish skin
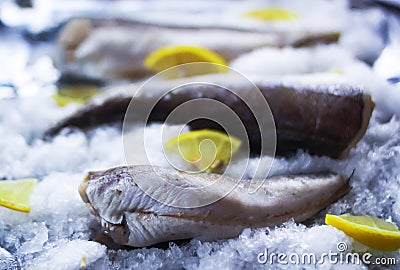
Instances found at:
x=116 y=49
x=133 y=217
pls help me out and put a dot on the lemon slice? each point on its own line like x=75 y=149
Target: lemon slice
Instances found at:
x=79 y=94
x=207 y=150
x=272 y=14
x=167 y=57
x=15 y=194
x=370 y=231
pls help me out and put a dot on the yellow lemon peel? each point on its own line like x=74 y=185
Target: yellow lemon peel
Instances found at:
x=207 y=150
x=370 y=231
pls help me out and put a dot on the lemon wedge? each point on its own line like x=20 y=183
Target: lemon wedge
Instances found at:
x=15 y=194
x=78 y=94
x=272 y=14
x=370 y=231
x=167 y=57
x=63 y=101
x=207 y=150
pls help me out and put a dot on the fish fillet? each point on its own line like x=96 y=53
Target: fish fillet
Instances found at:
x=322 y=119
x=137 y=218
x=116 y=49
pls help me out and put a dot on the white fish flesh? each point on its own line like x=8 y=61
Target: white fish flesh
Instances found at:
x=137 y=218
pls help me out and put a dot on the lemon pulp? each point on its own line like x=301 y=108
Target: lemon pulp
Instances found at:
x=167 y=57
x=272 y=14
x=207 y=150
x=79 y=94
x=15 y=194
x=370 y=231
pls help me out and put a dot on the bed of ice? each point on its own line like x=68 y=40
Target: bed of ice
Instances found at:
x=57 y=233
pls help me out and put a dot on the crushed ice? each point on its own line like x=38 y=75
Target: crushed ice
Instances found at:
x=57 y=232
